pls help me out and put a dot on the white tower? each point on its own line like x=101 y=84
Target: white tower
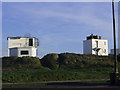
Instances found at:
x=22 y=46
x=94 y=45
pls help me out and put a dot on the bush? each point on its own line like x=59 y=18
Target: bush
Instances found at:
x=71 y=60
x=8 y=61
x=20 y=62
x=50 y=61
x=63 y=60
x=28 y=62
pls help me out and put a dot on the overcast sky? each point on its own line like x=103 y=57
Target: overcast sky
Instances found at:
x=61 y=26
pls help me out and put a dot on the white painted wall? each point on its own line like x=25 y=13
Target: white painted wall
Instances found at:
x=23 y=49
x=90 y=45
x=22 y=42
x=34 y=52
x=15 y=46
x=102 y=44
x=31 y=50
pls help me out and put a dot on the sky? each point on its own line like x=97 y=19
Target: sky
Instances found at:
x=60 y=26
x=119 y=24
x=0 y=27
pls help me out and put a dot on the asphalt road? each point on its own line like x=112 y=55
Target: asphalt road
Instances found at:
x=61 y=81
x=67 y=85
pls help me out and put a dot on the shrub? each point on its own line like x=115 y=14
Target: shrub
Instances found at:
x=20 y=62
x=28 y=62
x=71 y=60
x=50 y=61
x=8 y=61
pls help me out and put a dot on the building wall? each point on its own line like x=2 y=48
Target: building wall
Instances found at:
x=87 y=46
x=22 y=42
x=34 y=51
x=31 y=51
x=16 y=45
x=102 y=44
x=91 y=45
x=24 y=49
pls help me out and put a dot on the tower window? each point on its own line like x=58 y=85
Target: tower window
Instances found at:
x=96 y=43
x=30 y=42
x=24 y=52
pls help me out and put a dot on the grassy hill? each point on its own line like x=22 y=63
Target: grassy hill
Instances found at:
x=64 y=66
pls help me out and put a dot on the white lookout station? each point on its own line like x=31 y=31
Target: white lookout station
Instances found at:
x=22 y=46
x=95 y=45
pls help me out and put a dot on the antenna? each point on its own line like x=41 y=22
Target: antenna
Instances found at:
x=27 y=35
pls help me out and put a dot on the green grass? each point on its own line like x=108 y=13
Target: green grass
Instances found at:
x=67 y=67
x=55 y=75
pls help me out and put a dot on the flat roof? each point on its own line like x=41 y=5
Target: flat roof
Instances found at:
x=21 y=47
x=19 y=37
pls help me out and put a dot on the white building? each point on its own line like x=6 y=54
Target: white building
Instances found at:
x=95 y=45
x=22 y=46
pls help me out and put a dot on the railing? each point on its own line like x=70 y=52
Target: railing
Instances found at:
x=36 y=42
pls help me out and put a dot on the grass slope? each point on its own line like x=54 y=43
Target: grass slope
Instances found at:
x=57 y=67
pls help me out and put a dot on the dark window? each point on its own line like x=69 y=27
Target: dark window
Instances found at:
x=30 y=42
x=96 y=43
x=24 y=52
